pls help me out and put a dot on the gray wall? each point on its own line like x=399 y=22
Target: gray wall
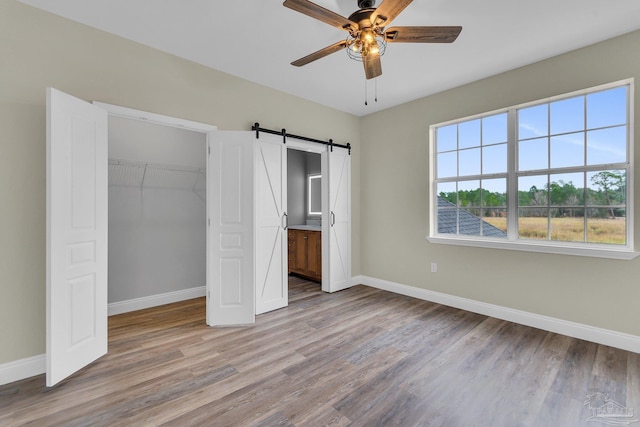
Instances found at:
x=151 y=142
x=296 y=172
x=300 y=164
x=313 y=162
x=395 y=196
x=37 y=50
x=157 y=228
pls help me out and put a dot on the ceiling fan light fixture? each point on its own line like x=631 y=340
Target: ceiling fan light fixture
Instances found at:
x=363 y=44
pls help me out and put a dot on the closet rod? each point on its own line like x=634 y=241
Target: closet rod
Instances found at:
x=159 y=166
x=284 y=134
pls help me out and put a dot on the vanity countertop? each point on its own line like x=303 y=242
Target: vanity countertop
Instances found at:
x=306 y=227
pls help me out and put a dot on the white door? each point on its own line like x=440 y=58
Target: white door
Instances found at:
x=76 y=277
x=336 y=220
x=271 y=223
x=230 y=270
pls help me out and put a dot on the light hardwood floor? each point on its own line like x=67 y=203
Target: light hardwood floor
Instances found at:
x=360 y=357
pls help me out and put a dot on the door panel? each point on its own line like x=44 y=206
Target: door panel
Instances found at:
x=230 y=280
x=76 y=279
x=271 y=238
x=336 y=220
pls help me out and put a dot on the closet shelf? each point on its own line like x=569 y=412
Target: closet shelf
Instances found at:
x=132 y=173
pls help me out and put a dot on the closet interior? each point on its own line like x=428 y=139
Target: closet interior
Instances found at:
x=157 y=210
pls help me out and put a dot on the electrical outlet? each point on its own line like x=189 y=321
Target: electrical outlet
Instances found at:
x=434 y=267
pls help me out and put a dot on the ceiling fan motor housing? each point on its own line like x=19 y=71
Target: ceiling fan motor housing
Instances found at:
x=365 y=4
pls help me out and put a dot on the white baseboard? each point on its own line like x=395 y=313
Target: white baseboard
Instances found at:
x=23 y=368
x=155 y=300
x=572 y=329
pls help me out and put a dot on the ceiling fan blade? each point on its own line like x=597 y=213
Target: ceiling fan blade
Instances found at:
x=387 y=11
x=372 y=65
x=422 y=34
x=320 y=13
x=320 y=54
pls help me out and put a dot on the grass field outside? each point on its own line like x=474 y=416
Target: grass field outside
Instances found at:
x=599 y=230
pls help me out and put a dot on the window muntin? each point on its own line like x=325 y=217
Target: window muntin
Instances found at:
x=571 y=160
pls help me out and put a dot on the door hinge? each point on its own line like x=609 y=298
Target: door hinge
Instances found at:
x=209 y=222
x=209 y=150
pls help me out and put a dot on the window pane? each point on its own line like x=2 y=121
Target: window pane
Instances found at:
x=567 y=150
x=568 y=228
x=447 y=212
x=469 y=193
x=494 y=159
x=447 y=138
x=494 y=223
x=469 y=221
x=494 y=201
x=532 y=191
x=533 y=223
x=447 y=221
x=494 y=192
x=567 y=115
x=607 y=146
x=607 y=189
x=533 y=154
x=447 y=191
x=469 y=200
x=601 y=228
x=533 y=121
x=566 y=190
x=469 y=134
x=447 y=164
x=494 y=129
x=567 y=222
x=607 y=108
x=469 y=162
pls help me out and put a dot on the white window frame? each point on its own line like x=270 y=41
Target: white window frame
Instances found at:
x=512 y=242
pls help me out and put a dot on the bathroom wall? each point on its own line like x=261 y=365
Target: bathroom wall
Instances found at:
x=300 y=164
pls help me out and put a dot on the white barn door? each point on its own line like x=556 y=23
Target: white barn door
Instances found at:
x=271 y=223
x=336 y=220
x=76 y=267
x=230 y=262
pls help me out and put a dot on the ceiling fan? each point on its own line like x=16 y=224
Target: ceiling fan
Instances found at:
x=368 y=36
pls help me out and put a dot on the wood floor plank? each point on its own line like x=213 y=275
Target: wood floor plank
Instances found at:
x=359 y=357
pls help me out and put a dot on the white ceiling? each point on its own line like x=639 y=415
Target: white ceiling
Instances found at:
x=258 y=39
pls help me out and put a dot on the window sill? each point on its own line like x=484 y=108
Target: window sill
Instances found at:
x=559 y=248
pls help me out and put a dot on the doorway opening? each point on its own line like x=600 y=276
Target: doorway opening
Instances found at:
x=157 y=189
x=157 y=214
x=304 y=210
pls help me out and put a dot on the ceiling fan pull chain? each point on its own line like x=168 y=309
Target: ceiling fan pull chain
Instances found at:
x=376 y=86
x=365 y=92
